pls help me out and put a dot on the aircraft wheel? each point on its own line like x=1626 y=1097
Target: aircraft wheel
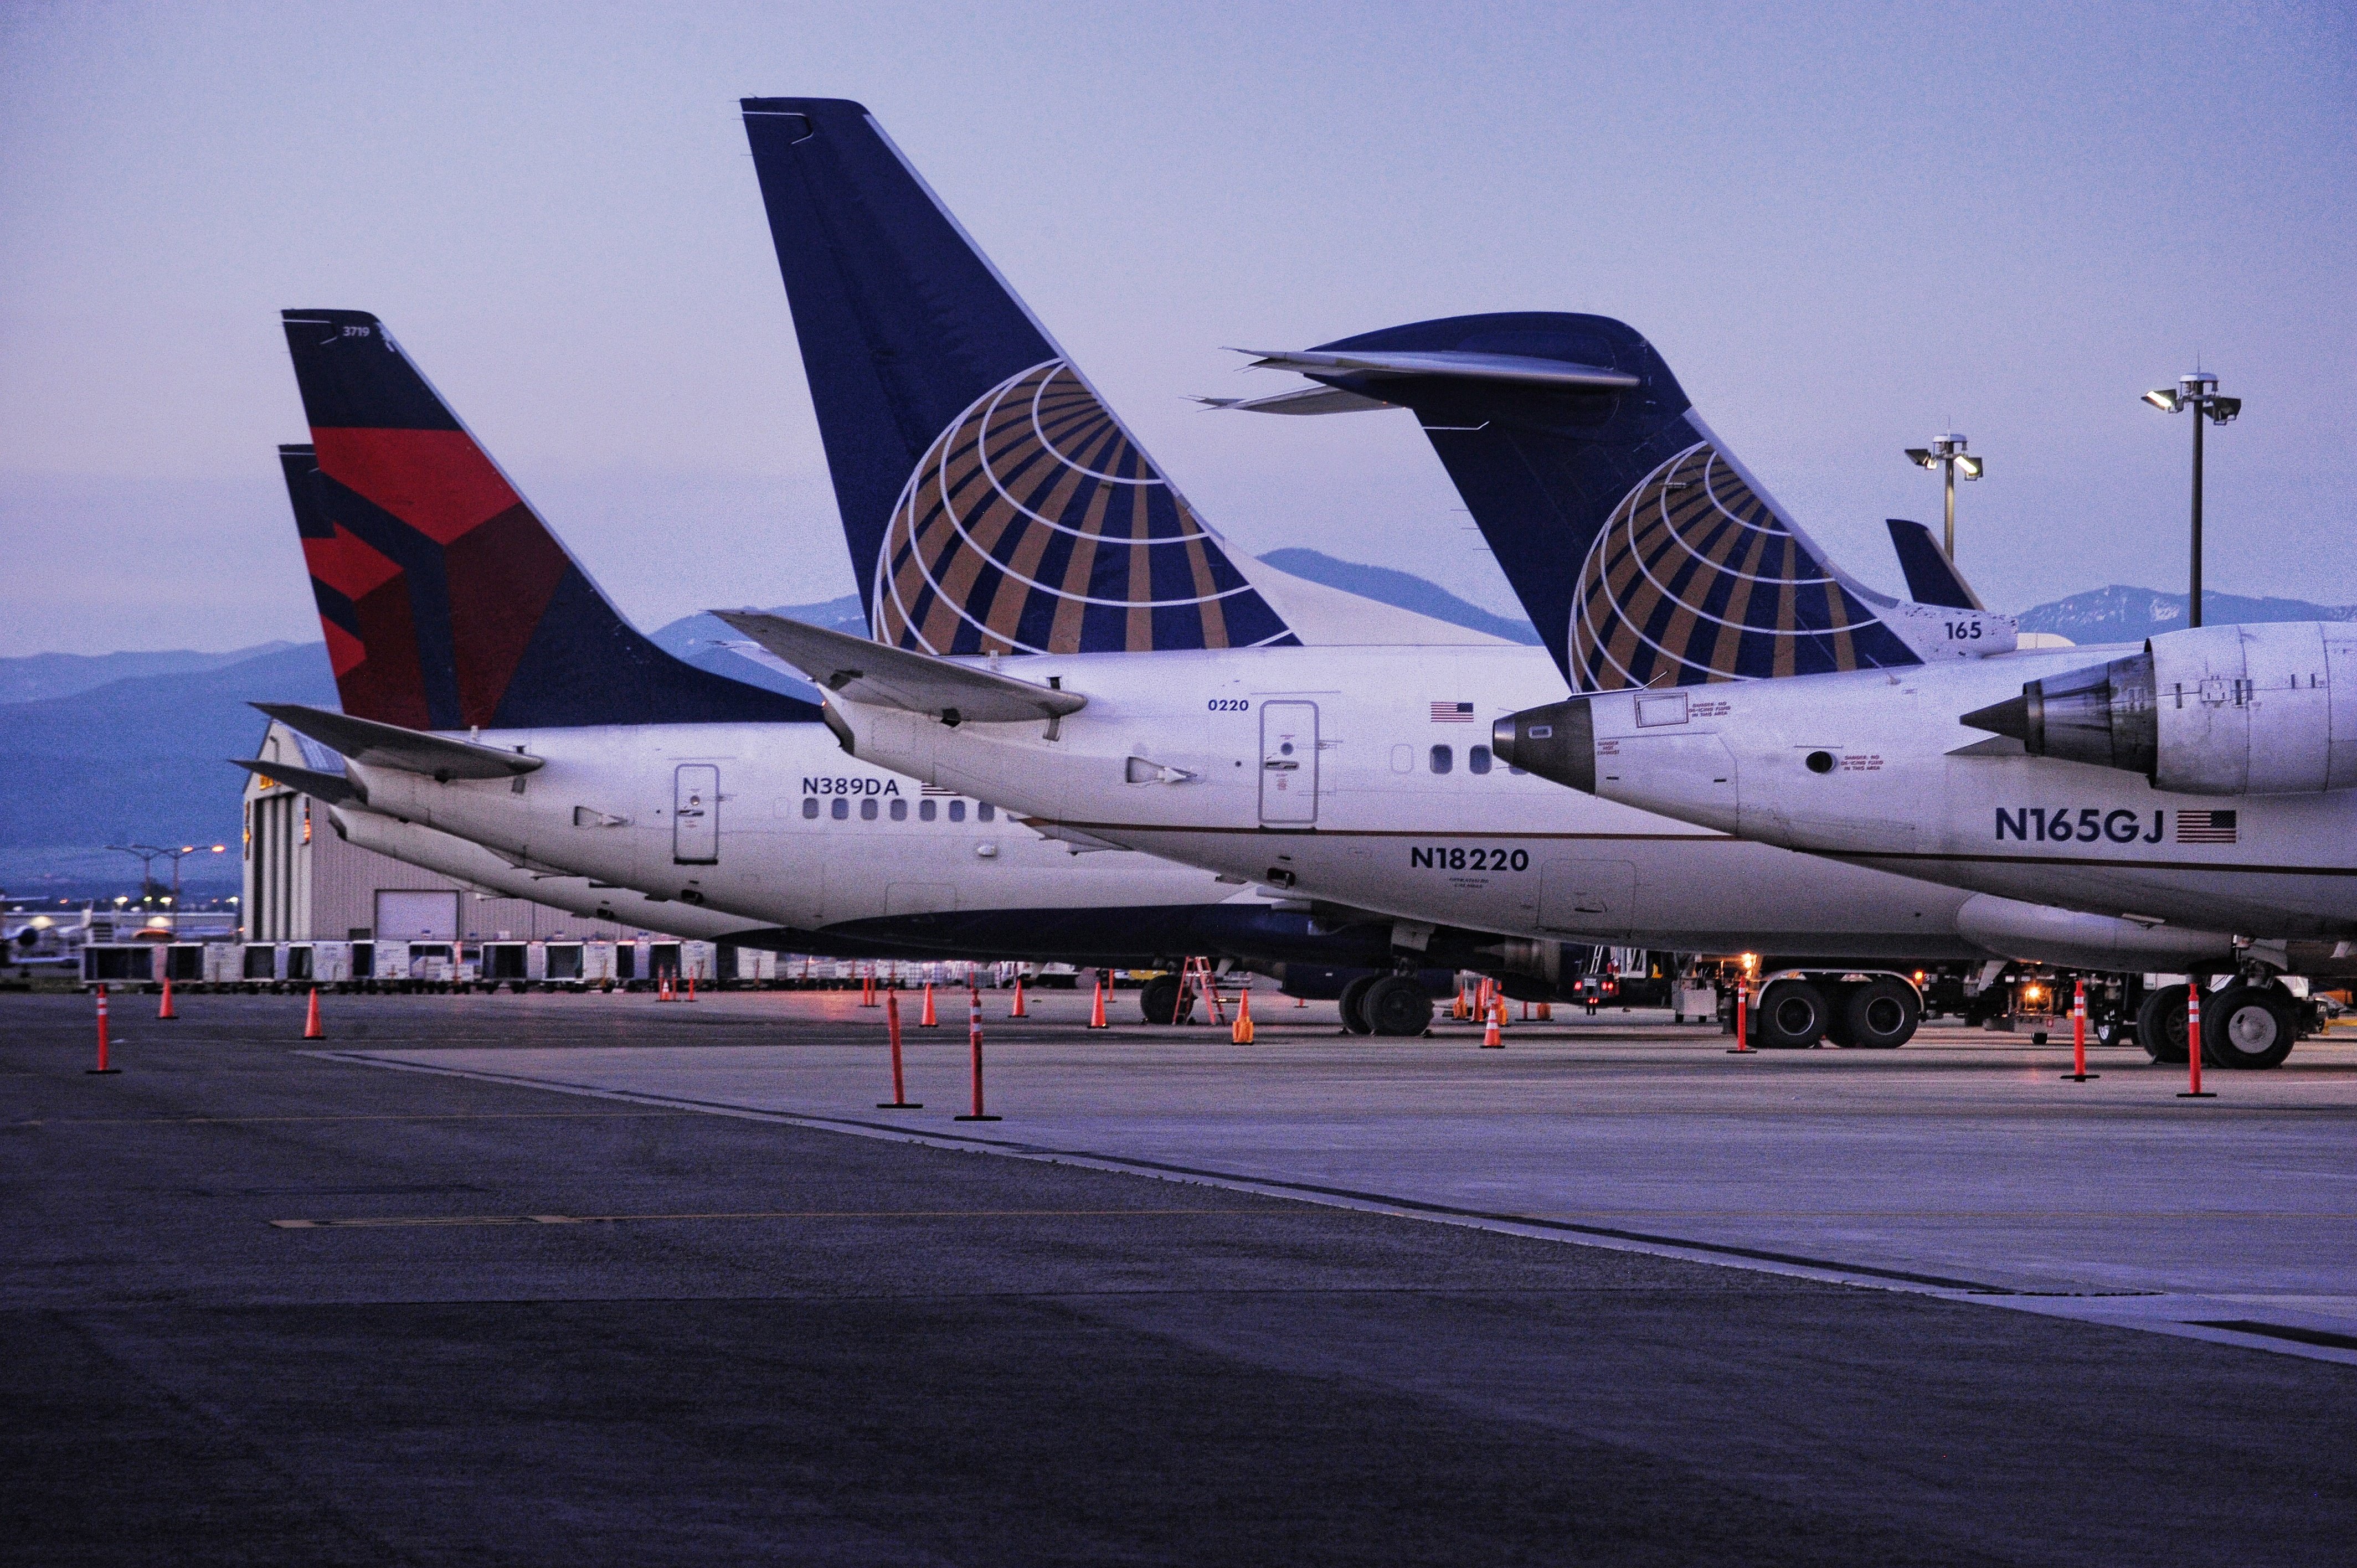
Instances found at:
x=1792 y=1016
x=1398 y=1005
x=1159 y=1000
x=2247 y=1026
x=1353 y=1004
x=1881 y=1015
x=2160 y=1025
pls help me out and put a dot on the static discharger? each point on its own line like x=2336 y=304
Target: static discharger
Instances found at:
x=973 y=1048
x=899 y=1101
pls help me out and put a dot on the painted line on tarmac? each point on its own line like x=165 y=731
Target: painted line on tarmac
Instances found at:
x=2076 y=1305
x=369 y=1222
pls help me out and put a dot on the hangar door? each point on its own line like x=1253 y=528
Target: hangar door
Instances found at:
x=1288 y=763
x=417 y=916
x=695 y=815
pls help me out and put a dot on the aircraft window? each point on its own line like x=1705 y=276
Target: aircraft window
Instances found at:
x=1443 y=759
x=810 y=805
x=928 y=810
x=842 y=809
x=899 y=811
x=957 y=810
x=983 y=812
x=867 y=809
x=1476 y=760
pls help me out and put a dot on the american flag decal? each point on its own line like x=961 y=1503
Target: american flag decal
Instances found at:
x=2205 y=827
x=1452 y=712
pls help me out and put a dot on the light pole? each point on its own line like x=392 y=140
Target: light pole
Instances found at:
x=2198 y=392
x=1948 y=455
x=147 y=853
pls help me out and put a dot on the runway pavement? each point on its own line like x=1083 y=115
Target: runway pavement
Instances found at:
x=267 y=1302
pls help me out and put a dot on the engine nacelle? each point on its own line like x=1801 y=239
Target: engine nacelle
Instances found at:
x=2222 y=710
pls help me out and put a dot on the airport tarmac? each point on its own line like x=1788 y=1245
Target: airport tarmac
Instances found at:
x=601 y=1278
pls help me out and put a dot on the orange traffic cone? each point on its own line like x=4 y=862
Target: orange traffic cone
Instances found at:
x=1019 y=1010
x=165 y=1010
x=1241 y=1031
x=311 y=1030
x=1463 y=1008
x=1096 y=1007
x=1490 y=1037
x=929 y=1021
x=101 y=1069
x=1546 y=1012
x=1301 y=1001
x=691 y=985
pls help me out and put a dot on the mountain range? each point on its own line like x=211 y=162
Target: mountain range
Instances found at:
x=131 y=747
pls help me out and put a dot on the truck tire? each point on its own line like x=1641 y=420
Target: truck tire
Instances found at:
x=1881 y=1015
x=2248 y=1026
x=1397 y=1006
x=2160 y=1025
x=1353 y=1004
x=1792 y=1016
x=1160 y=1000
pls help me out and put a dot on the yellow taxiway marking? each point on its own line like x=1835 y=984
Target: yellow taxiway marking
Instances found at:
x=431 y=1219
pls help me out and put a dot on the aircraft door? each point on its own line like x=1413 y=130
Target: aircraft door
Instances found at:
x=695 y=815
x=1288 y=763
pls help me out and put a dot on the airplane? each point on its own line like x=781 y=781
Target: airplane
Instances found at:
x=304 y=764
x=589 y=752
x=2204 y=783
x=974 y=467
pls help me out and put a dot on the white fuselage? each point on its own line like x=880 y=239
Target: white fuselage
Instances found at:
x=770 y=822
x=1351 y=775
x=1895 y=793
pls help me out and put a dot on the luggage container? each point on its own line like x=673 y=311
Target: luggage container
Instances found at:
x=561 y=963
x=119 y=963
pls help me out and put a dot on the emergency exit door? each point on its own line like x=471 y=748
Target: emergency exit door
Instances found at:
x=1288 y=763
x=695 y=815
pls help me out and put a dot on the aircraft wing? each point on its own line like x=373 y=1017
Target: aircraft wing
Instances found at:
x=1459 y=364
x=889 y=677
x=332 y=787
x=438 y=757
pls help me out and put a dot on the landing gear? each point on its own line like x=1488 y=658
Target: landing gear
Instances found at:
x=1792 y=1016
x=2248 y=1025
x=2160 y=1025
x=1398 y=1005
x=1158 y=1002
x=1353 y=1004
x=1880 y=1015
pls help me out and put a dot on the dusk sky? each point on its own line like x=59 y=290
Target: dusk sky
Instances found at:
x=1847 y=229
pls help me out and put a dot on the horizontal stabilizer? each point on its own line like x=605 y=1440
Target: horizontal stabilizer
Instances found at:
x=1301 y=400
x=889 y=677
x=333 y=788
x=1455 y=364
x=374 y=745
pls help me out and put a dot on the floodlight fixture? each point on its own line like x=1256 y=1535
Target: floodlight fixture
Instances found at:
x=2198 y=390
x=1947 y=454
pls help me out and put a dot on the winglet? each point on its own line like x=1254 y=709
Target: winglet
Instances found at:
x=1931 y=577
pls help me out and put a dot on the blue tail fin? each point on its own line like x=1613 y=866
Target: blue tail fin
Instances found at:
x=1931 y=577
x=1642 y=552
x=446 y=602
x=992 y=501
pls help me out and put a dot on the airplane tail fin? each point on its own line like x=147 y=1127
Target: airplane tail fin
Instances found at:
x=991 y=499
x=1644 y=553
x=1931 y=577
x=446 y=602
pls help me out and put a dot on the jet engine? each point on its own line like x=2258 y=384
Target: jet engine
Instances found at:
x=2223 y=709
